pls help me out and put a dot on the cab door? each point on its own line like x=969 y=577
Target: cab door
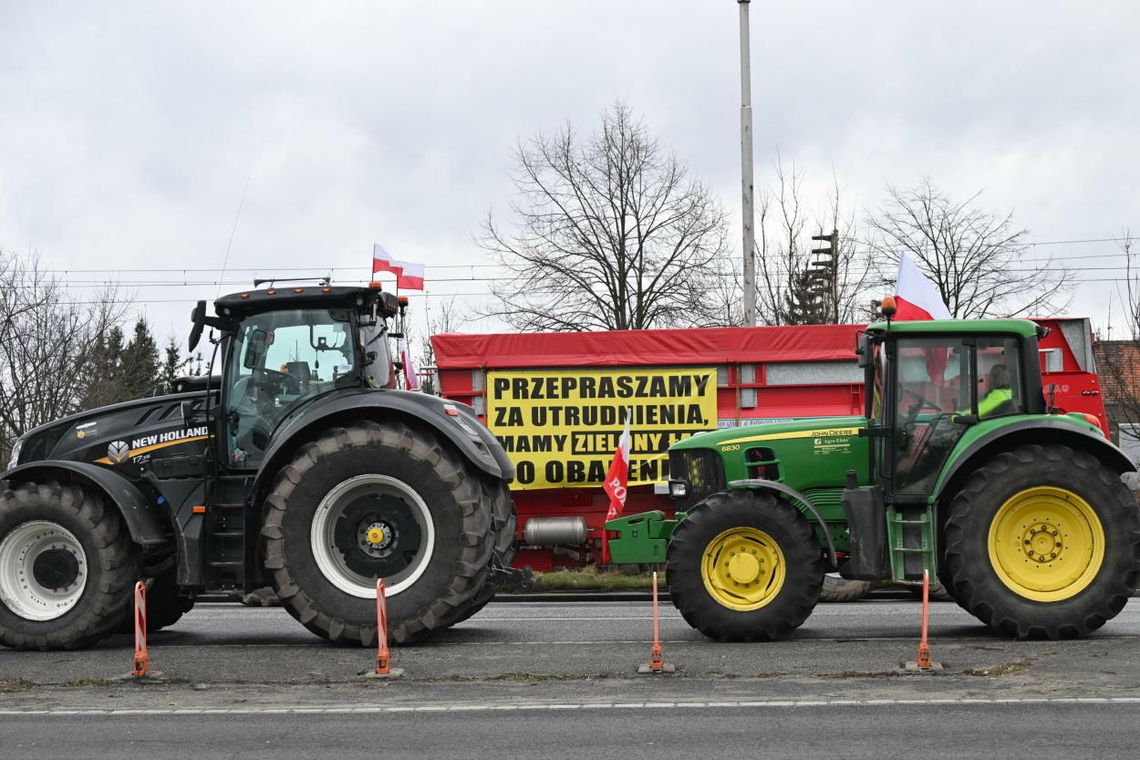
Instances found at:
x=932 y=396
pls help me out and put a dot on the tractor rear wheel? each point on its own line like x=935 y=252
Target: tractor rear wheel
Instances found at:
x=506 y=522
x=67 y=565
x=744 y=566
x=1043 y=542
x=373 y=501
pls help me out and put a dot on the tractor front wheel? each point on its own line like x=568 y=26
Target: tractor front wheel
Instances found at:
x=67 y=565
x=1043 y=542
x=744 y=566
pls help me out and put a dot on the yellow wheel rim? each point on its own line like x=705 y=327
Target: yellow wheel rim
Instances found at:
x=743 y=569
x=1046 y=544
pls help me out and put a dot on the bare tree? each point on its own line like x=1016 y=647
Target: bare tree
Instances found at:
x=786 y=289
x=445 y=318
x=46 y=345
x=608 y=233
x=974 y=257
x=1118 y=361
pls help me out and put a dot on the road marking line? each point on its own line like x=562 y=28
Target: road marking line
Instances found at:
x=534 y=707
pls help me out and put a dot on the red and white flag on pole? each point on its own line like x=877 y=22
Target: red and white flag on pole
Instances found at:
x=617 y=479
x=411 y=379
x=915 y=295
x=409 y=275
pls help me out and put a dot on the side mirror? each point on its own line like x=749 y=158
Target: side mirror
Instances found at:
x=187 y=410
x=863 y=350
x=258 y=340
x=198 y=317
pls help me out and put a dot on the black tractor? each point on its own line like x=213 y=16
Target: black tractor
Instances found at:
x=300 y=466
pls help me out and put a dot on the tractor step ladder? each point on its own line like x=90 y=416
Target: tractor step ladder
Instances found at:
x=910 y=535
x=226 y=539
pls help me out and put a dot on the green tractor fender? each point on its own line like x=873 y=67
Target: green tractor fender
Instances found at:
x=461 y=429
x=971 y=452
x=800 y=502
x=145 y=521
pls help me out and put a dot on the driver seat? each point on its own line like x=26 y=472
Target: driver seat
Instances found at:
x=300 y=372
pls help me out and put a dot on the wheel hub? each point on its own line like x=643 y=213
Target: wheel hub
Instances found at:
x=377 y=538
x=55 y=569
x=743 y=567
x=1042 y=543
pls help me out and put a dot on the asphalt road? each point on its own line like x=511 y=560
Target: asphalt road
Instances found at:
x=551 y=680
x=1070 y=730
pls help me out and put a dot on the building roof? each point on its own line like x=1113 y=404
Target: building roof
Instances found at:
x=1119 y=364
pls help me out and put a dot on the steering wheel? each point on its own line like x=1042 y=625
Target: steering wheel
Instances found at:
x=921 y=402
x=275 y=383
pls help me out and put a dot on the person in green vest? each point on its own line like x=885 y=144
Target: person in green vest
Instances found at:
x=999 y=396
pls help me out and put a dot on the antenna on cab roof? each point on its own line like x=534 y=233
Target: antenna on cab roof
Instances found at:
x=322 y=281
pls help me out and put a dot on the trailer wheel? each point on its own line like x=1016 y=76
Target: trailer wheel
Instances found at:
x=839 y=589
x=744 y=566
x=1043 y=542
x=376 y=501
x=67 y=565
x=506 y=523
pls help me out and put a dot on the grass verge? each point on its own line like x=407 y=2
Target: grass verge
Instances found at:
x=591 y=579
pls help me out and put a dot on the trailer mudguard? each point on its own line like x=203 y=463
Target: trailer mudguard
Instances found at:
x=144 y=520
x=1040 y=430
x=755 y=484
x=463 y=430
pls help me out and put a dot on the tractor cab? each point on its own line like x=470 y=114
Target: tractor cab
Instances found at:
x=927 y=383
x=282 y=347
x=929 y=386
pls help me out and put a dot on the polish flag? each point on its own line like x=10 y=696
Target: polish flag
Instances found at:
x=411 y=379
x=409 y=275
x=916 y=296
x=617 y=479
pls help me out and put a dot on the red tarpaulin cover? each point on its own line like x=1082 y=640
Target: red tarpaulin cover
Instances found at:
x=711 y=345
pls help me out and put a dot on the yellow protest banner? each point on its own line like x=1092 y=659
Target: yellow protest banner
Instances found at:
x=560 y=427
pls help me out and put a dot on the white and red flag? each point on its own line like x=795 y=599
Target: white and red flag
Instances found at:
x=409 y=275
x=915 y=295
x=617 y=479
x=411 y=379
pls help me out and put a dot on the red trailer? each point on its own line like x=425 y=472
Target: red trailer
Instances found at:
x=557 y=402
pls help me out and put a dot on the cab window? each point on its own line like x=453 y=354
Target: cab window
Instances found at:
x=999 y=377
x=279 y=360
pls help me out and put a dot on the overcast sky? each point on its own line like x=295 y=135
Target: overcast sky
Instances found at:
x=128 y=130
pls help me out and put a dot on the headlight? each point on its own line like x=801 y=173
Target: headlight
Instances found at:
x=15 y=460
x=678 y=489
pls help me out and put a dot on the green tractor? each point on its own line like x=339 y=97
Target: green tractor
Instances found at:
x=299 y=466
x=960 y=469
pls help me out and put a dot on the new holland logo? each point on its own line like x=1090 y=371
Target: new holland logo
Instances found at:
x=118 y=451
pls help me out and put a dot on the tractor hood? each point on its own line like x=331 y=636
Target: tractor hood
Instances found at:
x=811 y=427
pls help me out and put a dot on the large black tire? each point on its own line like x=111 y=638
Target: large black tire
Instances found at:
x=745 y=601
x=838 y=589
x=418 y=487
x=62 y=547
x=506 y=523
x=1081 y=603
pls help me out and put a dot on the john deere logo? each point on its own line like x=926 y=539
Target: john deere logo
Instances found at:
x=118 y=451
